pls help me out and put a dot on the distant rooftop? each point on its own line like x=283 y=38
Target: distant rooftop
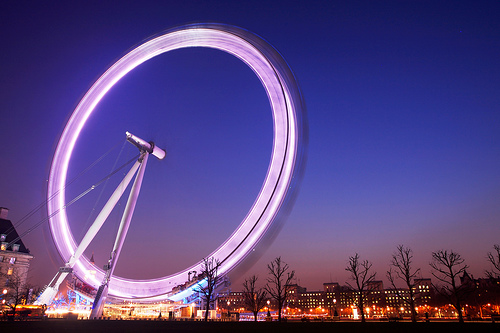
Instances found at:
x=8 y=233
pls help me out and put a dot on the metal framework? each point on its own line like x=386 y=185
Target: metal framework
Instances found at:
x=139 y=167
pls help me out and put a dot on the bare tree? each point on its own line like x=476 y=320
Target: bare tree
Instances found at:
x=447 y=267
x=17 y=290
x=401 y=269
x=494 y=276
x=255 y=299
x=278 y=282
x=210 y=274
x=494 y=259
x=362 y=277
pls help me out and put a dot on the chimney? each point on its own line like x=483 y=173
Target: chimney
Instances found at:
x=3 y=213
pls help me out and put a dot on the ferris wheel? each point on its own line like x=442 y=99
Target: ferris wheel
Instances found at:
x=269 y=208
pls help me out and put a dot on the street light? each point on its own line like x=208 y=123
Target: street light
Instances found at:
x=268 y=312
x=4 y=292
x=227 y=311
x=335 y=313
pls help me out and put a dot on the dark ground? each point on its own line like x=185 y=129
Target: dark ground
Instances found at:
x=110 y=326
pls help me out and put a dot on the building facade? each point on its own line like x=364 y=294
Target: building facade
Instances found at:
x=336 y=300
x=14 y=261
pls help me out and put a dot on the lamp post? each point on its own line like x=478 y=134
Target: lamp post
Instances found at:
x=228 y=315
x=335 y=313
x=268 y=318
x=4 y=292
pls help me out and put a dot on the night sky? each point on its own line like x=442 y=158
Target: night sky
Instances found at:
x=404 y=130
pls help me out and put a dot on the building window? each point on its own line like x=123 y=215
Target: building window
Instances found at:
x=10 y=271
x=3 y=237
x=3 y=246
x=12 y=261
x=15 y=247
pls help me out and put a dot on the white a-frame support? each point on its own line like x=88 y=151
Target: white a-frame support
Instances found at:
x=102 y=292
x=51 y=289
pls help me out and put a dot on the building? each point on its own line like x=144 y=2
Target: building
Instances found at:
x=312 y=301
x=376 y=294
x=232 y=302
x=422 y=290
x=397 y=302
x=332 y=296
x=380 y=302
x=14 y=259
x=294 y=293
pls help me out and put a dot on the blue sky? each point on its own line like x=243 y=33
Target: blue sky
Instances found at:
x=404 y=128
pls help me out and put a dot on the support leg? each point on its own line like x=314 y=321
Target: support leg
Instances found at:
x=51 y=289
x=102 y=292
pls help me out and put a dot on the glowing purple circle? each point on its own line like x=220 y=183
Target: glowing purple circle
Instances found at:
x=284 y=169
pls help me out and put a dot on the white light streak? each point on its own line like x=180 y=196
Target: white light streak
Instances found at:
x=285 y=165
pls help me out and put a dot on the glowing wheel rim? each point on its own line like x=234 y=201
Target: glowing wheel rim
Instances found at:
x=278 y=188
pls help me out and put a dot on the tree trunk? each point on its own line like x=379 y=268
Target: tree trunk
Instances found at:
x=413 y=313
x=459 y=310
x=207 y=307
x=361 y=307
x=412 y=305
